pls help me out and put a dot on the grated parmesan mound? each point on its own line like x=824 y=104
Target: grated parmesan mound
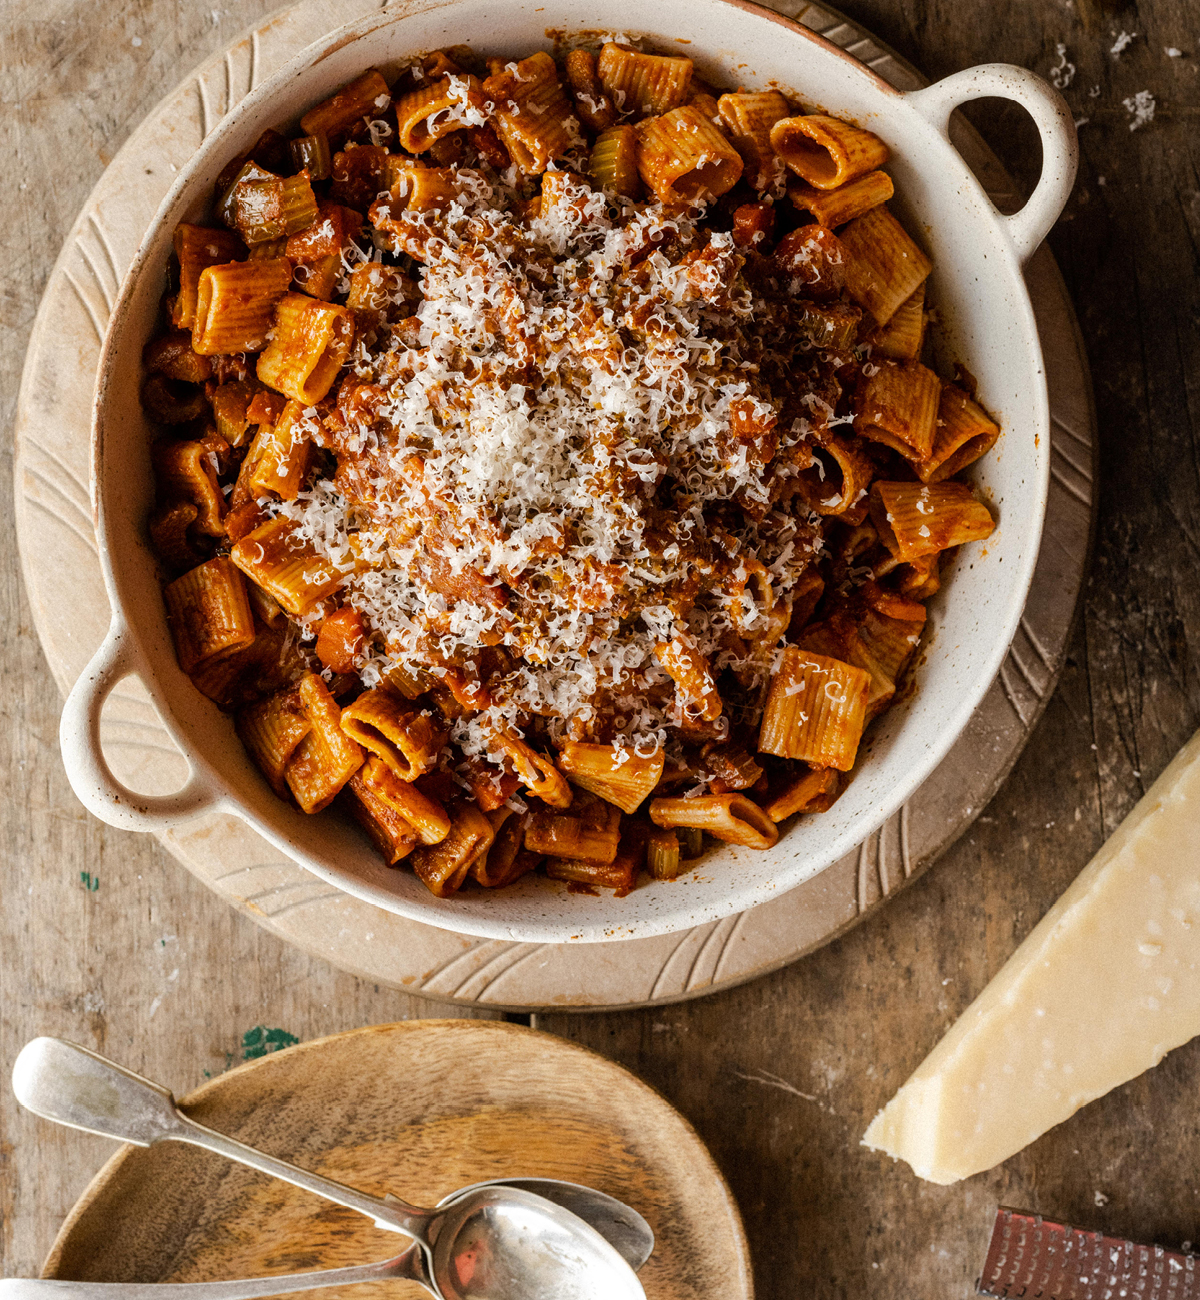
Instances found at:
x=568 y=454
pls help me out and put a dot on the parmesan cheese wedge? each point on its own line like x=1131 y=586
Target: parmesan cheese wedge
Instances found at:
x=1105 y=985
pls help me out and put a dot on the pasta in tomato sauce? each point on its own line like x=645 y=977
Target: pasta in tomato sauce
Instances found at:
x=550 y=473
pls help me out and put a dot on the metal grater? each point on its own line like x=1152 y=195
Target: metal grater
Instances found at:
x=1035 y=1259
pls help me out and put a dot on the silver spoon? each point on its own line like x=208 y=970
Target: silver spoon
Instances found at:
x=407 y=1266
x=487 y=1242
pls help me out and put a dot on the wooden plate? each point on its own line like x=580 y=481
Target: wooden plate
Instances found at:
x=70 y=610
x=419 y=1109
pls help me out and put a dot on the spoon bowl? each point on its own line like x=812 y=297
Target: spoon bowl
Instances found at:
x=500 y=1241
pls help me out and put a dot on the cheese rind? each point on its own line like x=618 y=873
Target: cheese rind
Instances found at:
x=1107 y=983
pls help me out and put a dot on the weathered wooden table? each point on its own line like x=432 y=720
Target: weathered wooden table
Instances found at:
x=781 y=1075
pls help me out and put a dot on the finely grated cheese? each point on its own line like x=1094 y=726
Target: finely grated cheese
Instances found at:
x=500 y=460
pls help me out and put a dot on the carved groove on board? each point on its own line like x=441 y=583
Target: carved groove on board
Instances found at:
x=281 y=863
x=467 y=955
x=88 y=539
x=485 y=971
x=1010 y=692
x=1038 y=688
x=73 y=505
x=727 y=947
x=206 y=117
x=87 y=306
x=117 y=742
x=110 y=256
x=662 y=984
x=1034 y=640
x=860 y=893
x=273 y=891
x=76 y=479
x=1063 y=427
x=506 y=962
x=329 y=896
x=1082 y=495
x=717 y=939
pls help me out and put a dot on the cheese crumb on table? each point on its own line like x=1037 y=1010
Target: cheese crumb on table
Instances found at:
x=1106 y=984
x=1141 y=107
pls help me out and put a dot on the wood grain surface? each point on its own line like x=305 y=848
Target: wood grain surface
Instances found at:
x=419 y=1110
x=105 y=940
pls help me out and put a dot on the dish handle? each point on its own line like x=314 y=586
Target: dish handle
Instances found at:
x=1055 y=124
x=83 y=756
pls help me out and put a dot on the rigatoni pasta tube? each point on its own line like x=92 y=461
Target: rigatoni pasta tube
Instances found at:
x=695 y=690
x=594 y=107
x=883 y=646
x=532 y=113
x=825 y=151
x=208 y=612
x=914 y=519
x=642 y=83
x=271 y=729
x=184 y=471
x=730 y=817
x=326 y=758
x=813 y=792
x=592 y=836
x=621 y=777
x=310 y=344
x=902 y=337
x=965 y=432
x=898 y=406
x=387 y=829
x=884 y=266
x=235 y=305
x=751 y=597
x=842 y=479
x=748 y=118
x=507 y=859
x=198 y=247
x=816 y=710
x=836 y=207
x=280 y=456
x=289 y=568
x=365 y=96
x=619 y=875
x=443 y=867
x=383 y=721
x=433 y=110
x=683 y=157
x=428 y=818
x=413 y=187
x=538 y=774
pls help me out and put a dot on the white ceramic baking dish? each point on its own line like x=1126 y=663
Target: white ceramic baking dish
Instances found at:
x=986 y=321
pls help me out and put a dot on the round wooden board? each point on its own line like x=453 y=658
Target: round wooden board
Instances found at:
x=71 y=612
x=418 y=1109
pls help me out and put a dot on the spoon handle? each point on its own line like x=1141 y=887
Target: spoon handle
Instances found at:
x=72 y=1085
x=409 y=1266
x=392 y=1214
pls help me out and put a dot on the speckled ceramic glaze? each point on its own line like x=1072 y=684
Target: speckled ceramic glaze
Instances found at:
x=986 y=321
